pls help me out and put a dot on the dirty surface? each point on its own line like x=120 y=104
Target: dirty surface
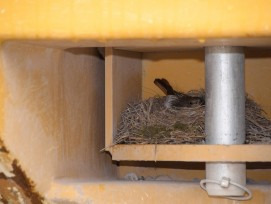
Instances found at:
x=15 y=187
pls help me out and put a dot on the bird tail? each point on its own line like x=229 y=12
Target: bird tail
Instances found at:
x=164 y=85
x=177 y=99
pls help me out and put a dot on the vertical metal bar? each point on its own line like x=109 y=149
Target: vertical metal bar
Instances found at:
x=225 y=113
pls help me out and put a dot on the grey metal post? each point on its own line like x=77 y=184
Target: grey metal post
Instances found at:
x=225 y=113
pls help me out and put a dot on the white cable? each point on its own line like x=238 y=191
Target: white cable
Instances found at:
x=222 y=184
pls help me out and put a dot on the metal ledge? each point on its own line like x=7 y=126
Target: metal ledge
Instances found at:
x=192 y=153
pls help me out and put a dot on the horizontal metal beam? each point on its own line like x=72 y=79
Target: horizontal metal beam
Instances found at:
x=192 y=153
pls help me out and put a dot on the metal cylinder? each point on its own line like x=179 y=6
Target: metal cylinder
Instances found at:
x=225 y=113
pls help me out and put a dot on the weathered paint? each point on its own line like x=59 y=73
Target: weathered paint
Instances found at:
x=143 y=192
x=54 y=112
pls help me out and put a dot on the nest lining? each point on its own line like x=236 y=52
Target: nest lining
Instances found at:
x=150 y=122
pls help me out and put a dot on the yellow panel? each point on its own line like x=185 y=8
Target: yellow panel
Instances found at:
x=129 y=19
x=67 y=191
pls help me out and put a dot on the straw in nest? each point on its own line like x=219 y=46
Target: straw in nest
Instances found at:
x=150 y=122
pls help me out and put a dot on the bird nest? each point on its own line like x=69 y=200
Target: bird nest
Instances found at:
x=150 y=122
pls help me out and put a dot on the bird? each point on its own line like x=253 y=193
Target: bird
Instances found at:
x=177 y=99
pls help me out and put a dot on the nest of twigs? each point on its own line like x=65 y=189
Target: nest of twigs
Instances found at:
x=150 y=122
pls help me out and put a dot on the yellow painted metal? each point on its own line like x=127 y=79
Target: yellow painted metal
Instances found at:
x=129 y=19
x=68 y=191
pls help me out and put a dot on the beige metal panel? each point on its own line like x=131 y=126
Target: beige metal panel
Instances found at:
x=53 y=112
x=123 y=82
